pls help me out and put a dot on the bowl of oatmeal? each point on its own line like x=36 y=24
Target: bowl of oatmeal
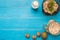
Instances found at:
x=53 y=27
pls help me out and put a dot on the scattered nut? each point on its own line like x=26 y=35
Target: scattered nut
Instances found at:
x=34 y=37
x=38 y=34
x=44 y=35
x=27 y=35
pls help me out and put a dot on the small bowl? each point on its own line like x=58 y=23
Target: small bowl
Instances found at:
x=35 y=4
x=50 y=28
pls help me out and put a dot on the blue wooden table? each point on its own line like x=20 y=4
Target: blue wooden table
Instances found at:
x=18 y=18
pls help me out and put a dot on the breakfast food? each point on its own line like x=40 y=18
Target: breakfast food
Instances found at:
x=53 y=27
x=27 y=35
x=35 y=4
x=44 y=35
x=38 y=34
x=50 y=7
x=34 y=37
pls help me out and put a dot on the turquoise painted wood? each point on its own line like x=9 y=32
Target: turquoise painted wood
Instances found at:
x=18 y=18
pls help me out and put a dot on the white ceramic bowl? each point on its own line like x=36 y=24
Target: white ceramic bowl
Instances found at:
x=35 y=4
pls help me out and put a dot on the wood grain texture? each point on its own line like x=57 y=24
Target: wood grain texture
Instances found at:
x=18 y=18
